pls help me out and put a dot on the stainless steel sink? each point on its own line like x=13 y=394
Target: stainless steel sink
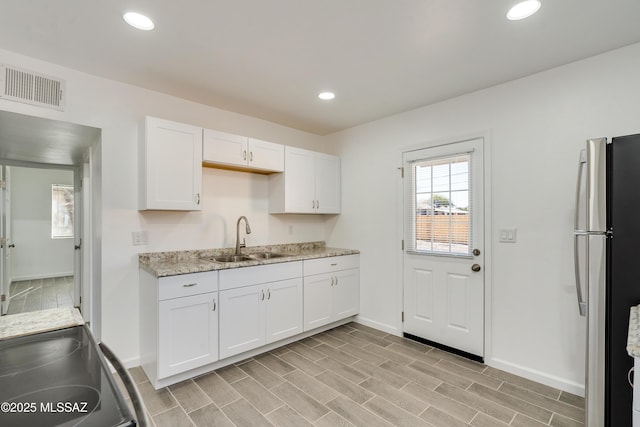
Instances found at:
x=230 y=258
x=266 y=255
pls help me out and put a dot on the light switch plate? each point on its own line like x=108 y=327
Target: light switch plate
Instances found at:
x=507 y=235
x=139 y=238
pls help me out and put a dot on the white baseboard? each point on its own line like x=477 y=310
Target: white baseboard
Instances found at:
x=132 y=362
x=390 y=329
x=41 y=276
x=537 y=376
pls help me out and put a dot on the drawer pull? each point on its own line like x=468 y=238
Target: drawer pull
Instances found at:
x=189 y=285
x=334 y=264
x=214 y=305
x=268 y=294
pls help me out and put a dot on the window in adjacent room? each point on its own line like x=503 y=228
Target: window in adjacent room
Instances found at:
x=61 y=211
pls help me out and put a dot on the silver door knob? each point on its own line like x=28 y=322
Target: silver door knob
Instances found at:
x=476 y=252
x=475 y=267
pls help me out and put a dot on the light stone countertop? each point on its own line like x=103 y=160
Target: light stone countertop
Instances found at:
x=33 y=322
x=162 y=264
x=633 y=339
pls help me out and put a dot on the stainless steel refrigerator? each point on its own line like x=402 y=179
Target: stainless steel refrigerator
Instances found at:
x=607 y=269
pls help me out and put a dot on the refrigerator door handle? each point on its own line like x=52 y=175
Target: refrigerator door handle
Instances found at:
x=582 y=304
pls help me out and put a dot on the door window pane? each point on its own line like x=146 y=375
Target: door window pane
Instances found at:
x=441 y=219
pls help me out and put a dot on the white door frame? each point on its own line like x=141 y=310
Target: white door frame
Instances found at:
x=488 y=229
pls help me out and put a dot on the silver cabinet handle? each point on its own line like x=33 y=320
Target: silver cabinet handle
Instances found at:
x=214 y=305
x=337 y=281
x=262 y=295
x=333 y=282
x=313 y=204
x=197 y=198
x=268 y=294
x=244 y=155
x=317 y=204
x=334 y=264
x=251 y=156
x=189 y=285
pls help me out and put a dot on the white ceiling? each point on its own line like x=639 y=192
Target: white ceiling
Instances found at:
x=270 y=58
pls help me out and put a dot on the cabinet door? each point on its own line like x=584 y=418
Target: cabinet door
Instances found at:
x=327 y=188
x=172 y=166
x=241 y=320
x=187 y=333
x=318 y=300
x=346 y=294
x=265 y=155
x=299 y=191
x=283 y=309
x=224 y=148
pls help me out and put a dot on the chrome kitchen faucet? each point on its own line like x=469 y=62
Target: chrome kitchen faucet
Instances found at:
x=248 y=231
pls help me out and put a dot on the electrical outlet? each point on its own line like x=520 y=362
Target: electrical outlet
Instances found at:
x=139 y=238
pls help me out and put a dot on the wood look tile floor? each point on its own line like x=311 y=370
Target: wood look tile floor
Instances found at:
x=40 y=294
x=354 y=375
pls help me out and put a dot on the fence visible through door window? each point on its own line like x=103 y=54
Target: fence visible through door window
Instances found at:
x=440 y=221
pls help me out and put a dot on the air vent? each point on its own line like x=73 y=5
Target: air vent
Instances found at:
x=31 y=88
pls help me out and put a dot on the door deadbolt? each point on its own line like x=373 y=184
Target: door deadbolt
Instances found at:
x=475 y=267
x=476 y=252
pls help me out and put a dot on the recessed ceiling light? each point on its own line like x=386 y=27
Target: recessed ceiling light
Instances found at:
x=139 y=21
x=523 y=10
x=326 y=96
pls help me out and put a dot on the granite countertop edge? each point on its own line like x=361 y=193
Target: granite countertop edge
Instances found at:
x=633 y=339
x=163 y=264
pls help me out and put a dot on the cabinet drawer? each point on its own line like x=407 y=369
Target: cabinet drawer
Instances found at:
x=246 y=276
x=187 y=284
x=330 y=264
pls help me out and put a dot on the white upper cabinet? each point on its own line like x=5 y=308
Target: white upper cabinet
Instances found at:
x=170 y=158
x=226 y=150
x=310 y=183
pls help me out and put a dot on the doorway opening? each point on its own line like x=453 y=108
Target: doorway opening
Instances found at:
x=50 y=204
x=39 y=217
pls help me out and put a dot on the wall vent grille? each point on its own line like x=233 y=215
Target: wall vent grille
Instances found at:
x=32 y=88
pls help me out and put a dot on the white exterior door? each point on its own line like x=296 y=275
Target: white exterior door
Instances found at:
x=444 y=245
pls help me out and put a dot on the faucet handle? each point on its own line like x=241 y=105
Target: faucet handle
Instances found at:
x=244 y=243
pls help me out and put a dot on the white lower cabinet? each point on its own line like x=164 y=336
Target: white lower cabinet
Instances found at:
x=187 y=333
x=331 y=290
x=258 y=314
x=178 y=323
x=189 y=323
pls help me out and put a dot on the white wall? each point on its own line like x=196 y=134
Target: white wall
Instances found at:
x=536 y=126
x=118 y=109
x=36 y=255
